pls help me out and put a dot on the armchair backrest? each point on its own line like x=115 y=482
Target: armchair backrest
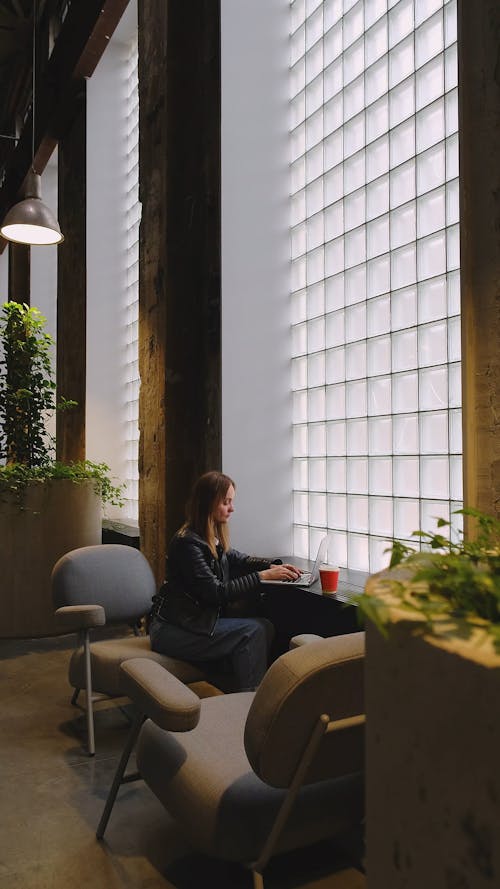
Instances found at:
x=112 y=575
x=323 y=677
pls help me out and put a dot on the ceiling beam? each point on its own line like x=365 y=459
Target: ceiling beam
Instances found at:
x=83 y=37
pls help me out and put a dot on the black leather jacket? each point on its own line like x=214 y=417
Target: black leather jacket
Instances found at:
x=199 y=586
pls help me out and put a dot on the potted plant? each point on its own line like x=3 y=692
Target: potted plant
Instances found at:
x=446 y=586
x=46 y=507
x=433 y=722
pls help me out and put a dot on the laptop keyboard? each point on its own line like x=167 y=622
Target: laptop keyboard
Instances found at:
x=304 y=578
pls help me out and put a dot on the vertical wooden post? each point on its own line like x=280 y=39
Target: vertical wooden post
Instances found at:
x=479 y=92
x=179 y=248
x=19 y=273
x=72 y=287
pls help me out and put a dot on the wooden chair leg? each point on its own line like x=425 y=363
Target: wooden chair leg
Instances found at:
x=258 y=880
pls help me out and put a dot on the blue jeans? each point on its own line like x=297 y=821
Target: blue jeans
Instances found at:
x=245 y=641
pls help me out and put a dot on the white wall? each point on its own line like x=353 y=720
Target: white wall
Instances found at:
x=256 y=401
x=44 y=259
x=43 y=269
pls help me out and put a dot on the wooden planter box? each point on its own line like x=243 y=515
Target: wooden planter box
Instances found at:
x=433 y=759
x=56 y=516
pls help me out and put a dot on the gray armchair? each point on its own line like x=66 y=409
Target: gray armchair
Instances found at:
x=103 y=585
x=255 y=773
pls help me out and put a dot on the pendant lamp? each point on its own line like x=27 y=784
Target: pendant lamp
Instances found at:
x=30 y=221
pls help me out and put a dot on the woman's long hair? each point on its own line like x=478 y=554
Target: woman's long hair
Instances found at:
x=210 y=490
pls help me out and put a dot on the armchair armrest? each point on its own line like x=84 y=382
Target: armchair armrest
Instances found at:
x=81 y=617
x=303 y=639
x=161 y=696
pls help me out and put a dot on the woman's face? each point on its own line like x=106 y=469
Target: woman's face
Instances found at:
x=224 y=507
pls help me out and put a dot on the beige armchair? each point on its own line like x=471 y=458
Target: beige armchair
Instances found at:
x=104 y=585
x=255 y=773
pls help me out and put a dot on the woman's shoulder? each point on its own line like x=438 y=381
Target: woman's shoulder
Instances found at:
x=187 y=550
x=186 y=539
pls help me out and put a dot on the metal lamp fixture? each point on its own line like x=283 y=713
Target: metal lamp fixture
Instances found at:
x=30 y=221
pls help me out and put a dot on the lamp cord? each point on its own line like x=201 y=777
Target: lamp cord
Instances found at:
x=33 y=87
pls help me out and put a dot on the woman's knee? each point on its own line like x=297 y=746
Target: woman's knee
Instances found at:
x=257 y=628
x=264 y=631
x=155 y=636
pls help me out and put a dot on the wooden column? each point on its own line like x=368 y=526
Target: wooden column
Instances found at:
x=479 y=92
x=179 y=278
x=72 y=286
x=19 y=273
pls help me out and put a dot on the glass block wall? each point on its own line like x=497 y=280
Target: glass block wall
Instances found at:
x=131 y=369
x=375 y=273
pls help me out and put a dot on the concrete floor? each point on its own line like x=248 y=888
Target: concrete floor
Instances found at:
x=52 y=795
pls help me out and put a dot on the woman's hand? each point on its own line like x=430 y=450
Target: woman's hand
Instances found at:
x=280 y=572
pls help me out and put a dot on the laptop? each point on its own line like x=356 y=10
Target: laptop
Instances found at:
x=309 y=577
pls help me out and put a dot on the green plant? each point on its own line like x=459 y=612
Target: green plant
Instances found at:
x=27 y=400
x=452 y=585
x=27 y=390
x=14 y=477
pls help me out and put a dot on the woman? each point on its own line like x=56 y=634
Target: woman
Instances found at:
x=205 y=577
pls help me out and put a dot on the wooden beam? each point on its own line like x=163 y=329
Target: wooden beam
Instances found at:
x=72 y=287
x=479 y=116
x=179 y=277
x=19 y=273
x=84 y=35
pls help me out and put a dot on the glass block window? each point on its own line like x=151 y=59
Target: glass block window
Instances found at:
x=131 y=369
x=375 y=273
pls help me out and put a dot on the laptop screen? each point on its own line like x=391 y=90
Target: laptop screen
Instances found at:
x=320 y=557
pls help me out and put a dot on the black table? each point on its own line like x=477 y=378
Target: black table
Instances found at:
x=295 y=610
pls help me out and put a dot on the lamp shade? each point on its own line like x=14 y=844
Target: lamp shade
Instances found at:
x=30 y=221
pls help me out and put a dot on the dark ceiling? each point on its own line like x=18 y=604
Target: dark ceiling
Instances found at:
x=16 y=28
x=16 y=54
x=71 y=36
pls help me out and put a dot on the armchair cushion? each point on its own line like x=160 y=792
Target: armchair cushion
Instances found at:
x=107 y=657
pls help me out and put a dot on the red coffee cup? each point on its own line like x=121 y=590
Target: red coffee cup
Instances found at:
x=329 y=575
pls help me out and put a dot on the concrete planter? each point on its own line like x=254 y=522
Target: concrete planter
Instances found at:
x=433 y=753
x=57 y=516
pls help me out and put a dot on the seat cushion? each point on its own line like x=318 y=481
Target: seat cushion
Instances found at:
x=203 y=778
x=106 y=657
